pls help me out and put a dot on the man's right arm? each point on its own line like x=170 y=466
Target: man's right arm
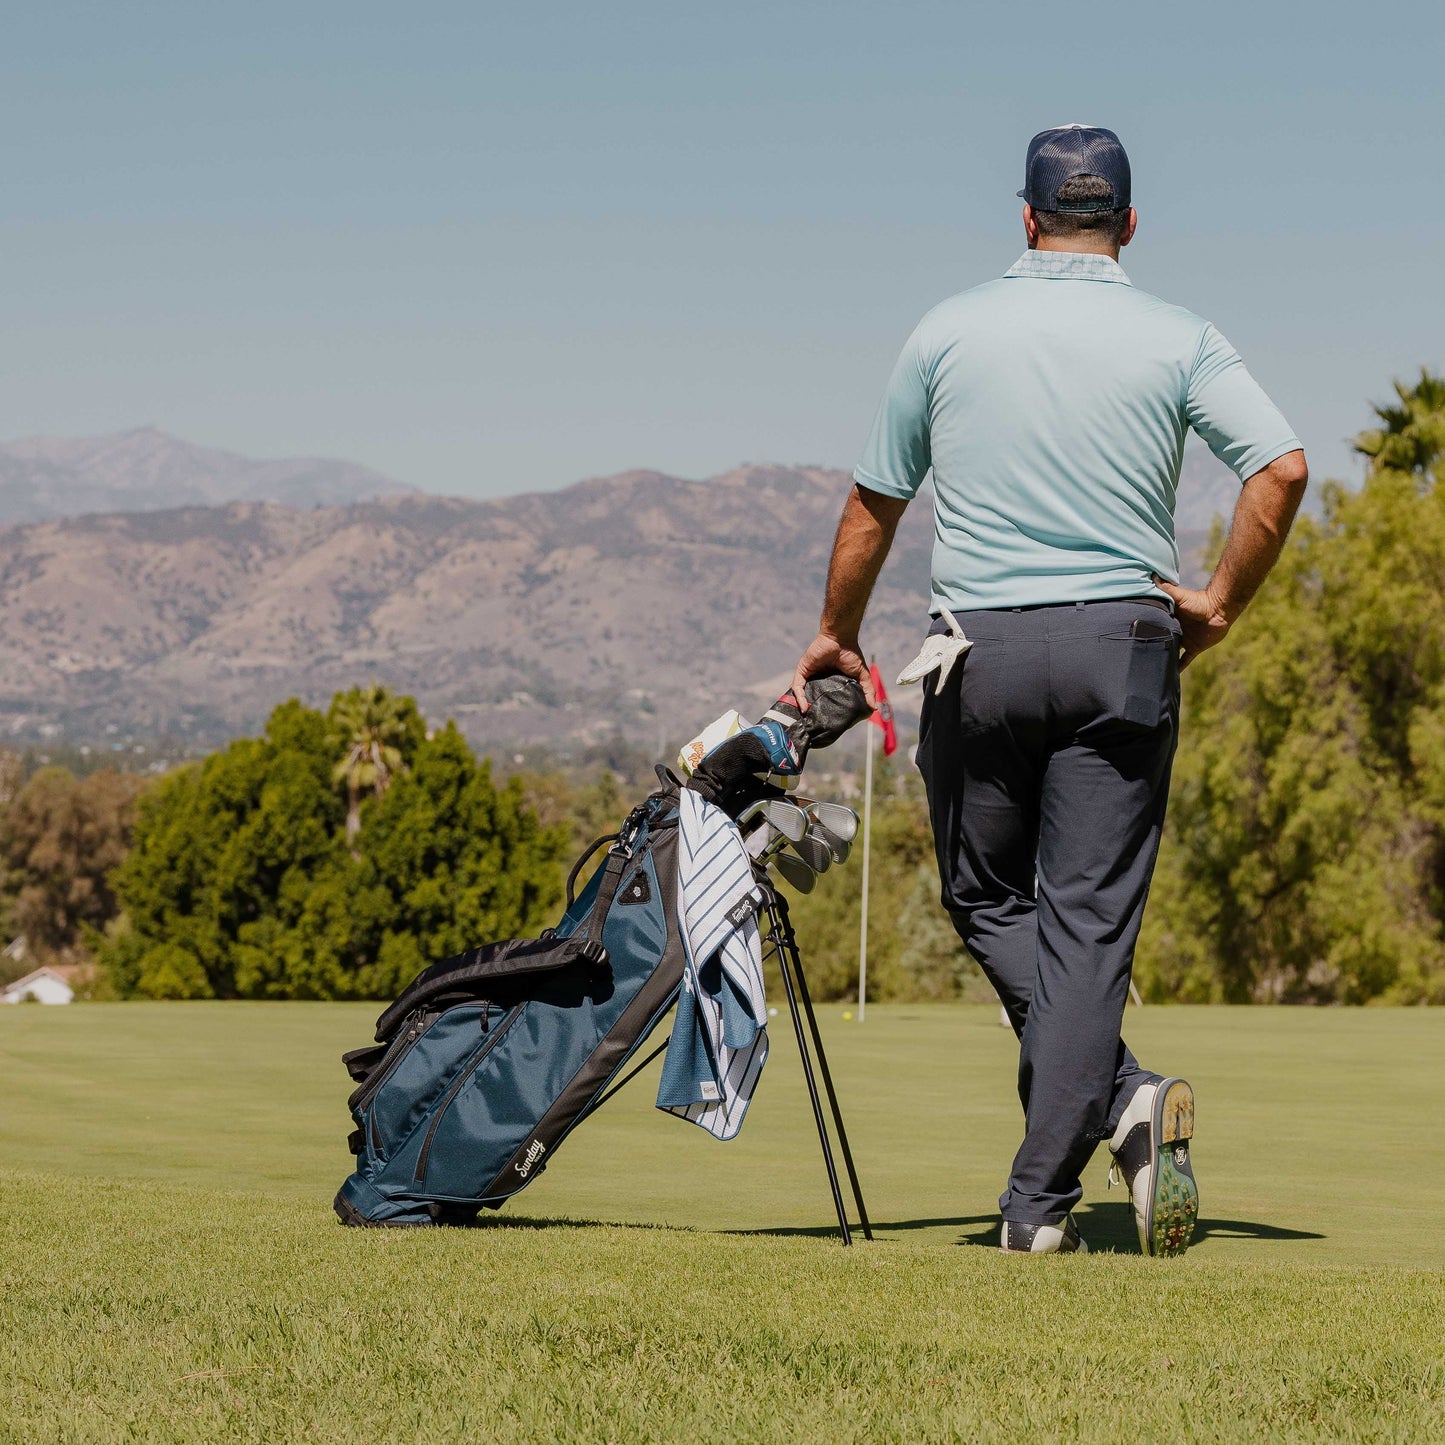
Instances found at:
x=865 y=533
x=895 y=461
x=1262 y=519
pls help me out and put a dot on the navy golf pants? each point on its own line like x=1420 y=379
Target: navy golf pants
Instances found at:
x=1046 y=759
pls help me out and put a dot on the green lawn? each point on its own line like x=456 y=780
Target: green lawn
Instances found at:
x=170 y=1268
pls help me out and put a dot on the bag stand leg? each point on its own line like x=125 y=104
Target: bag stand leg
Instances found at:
x=795 y=984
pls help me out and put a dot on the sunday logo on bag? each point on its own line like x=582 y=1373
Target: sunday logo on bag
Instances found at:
x=535 y=1150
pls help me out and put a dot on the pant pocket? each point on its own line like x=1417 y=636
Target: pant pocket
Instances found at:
x=1147 y=668
x=925 y=718
x=978 y=686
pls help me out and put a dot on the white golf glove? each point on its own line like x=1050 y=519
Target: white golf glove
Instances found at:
x=939 y=653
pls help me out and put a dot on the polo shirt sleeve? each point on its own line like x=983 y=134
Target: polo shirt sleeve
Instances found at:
x=1229 y=410
x=897 y=455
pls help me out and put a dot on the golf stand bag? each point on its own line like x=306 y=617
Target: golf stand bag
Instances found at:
x=487 y=1061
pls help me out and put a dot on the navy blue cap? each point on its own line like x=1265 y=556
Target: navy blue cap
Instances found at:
x=1065 y=151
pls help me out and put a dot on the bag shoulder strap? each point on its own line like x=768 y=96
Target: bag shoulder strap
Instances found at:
x=478 y=972
x=618 y=862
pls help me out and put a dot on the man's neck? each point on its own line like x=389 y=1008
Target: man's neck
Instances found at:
x=1077 y=244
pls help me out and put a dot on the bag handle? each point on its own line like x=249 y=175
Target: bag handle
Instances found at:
x=581 y=863
x=619 y=860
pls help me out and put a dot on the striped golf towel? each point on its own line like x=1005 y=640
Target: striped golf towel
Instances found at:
x=719 y=1038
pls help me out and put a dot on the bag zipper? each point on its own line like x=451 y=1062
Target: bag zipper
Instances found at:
x=456 y=1088
x=400 y=1048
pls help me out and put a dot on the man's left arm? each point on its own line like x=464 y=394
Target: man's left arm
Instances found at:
x=1245 y=430
x=1262 y=519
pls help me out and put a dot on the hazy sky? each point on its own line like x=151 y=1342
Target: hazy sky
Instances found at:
x=486 y=249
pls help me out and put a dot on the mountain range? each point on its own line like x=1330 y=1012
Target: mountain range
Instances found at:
x=148 y=470
x=643 y=603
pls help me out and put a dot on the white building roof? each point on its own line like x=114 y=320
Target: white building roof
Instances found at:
x=44 y=985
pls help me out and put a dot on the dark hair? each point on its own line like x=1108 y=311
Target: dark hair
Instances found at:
x=1080 y=191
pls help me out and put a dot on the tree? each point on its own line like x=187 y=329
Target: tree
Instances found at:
x=376 y=731
x=243 y=882
x=1304 y=855
x=913 y=952
x=1413 y=436
x=60 y=839
x=448 y=860
x=12 y=774
x=226 y=852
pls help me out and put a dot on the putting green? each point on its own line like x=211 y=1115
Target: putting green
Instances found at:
x=170 y=1269
x=1313 y=1144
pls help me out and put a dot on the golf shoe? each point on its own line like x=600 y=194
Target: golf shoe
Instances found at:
x=1151 y=1158
x=1062 y=1238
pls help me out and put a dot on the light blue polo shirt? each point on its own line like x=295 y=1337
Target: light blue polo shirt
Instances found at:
x=1052 y=405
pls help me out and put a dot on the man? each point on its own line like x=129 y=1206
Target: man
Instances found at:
x=1052 y=407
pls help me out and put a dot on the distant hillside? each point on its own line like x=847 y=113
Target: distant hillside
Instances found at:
x=148 y=470
x=1207 y=488
x=640 y=602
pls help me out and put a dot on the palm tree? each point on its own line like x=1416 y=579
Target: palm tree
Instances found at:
x=1413 y=436
x=368 y=722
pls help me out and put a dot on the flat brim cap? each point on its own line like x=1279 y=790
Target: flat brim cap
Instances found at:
x=1062 y=152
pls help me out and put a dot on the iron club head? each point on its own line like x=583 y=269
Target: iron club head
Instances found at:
x=749 y=813
x=814 y=852
x=837 y=848
x=837 y=818
x=794 y=871
x=788 y=818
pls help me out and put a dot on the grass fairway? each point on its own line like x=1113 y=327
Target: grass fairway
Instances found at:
x=170 y=1268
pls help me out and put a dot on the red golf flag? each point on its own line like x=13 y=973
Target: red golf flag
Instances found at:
x=884 y=715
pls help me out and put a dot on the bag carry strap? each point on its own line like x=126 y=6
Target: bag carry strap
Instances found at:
x=476 y=974
x=618 y=863
x=618 y=859
x=581 y=863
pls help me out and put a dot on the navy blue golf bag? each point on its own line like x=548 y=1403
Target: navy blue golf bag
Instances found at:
x=487 y=1061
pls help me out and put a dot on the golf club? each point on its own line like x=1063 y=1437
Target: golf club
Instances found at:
x=814 y=852
x=763 y=843
x=837 y=818
x=749 y=815
x=835 y=845
x=794 y=871
x=788 y=818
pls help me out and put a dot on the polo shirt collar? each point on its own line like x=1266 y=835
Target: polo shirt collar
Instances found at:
x=1068 y=266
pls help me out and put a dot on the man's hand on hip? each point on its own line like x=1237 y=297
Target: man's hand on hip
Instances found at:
x=827 y=654
x=1201 y=619
x=1262 y=519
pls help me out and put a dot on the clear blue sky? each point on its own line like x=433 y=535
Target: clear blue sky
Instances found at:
x=490 y=248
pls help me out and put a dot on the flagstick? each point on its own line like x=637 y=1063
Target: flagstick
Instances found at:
x=867 y=831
